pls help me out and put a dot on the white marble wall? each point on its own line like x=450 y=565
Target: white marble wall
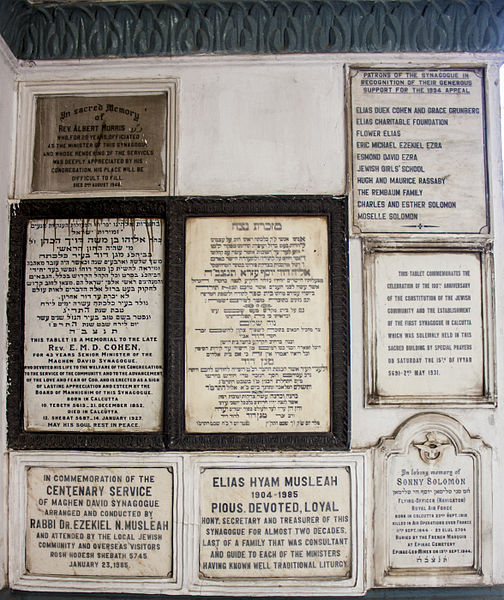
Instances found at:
x=270 y=125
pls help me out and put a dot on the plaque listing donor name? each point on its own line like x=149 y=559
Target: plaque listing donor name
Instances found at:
x=257 y=324
x=100 y=143
x=428 y=312
x=418 y=150
x=275 y=523
x=103 y=522
x=93 y=325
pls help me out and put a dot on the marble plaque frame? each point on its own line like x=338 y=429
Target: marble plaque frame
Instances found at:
x=25 y=138
x=21 y=214
x=20 y=462
x=354 y=585
x=334 y=209
x=484 y=250
x=480 y=456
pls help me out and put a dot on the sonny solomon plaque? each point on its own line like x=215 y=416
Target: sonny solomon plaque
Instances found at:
x=100 y=143
x=431 y=484
x=418 y=150
x=257 y=324
x=94 y=312
x=275 y=523
x=100 y=522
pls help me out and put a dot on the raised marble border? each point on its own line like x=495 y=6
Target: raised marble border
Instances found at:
x=25 y=139
x=88 y=29
x=482 y=247
x=354 y=585
x=20 y=462
x=465 y=445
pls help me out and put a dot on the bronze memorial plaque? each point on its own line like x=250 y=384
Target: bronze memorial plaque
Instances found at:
x=100 y=143
x=418 y=150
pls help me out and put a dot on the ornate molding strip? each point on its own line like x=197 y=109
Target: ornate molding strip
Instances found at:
x=80 y=30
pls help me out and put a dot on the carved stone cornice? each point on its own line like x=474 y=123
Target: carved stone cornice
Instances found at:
x=89 y=30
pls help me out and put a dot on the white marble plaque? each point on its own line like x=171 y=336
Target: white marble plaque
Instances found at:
x=100 y=522
x=431 y=509
x=257 y=325
x=94 y=325
x=418 y=150
x=425 y=314
x=100 y=143
x=275 y=523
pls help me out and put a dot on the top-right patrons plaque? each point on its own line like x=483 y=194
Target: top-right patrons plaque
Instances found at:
x=418 y=151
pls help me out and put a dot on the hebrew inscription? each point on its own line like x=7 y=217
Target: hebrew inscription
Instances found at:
x=100 y=143
x=265 y=523
x=257 y=324
x=105 y=522
x=418 y=150
x=93 y=325
x=429 y=323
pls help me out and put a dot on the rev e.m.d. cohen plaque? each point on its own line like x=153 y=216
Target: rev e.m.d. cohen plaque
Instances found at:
x=100 y=143
x=93 y=353
x=418 y=150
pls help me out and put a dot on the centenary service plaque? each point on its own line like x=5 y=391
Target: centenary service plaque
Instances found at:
x=427 y=332
x=418 y=150
x=93 y=325
x=100 y=143
x=430 y=510
x=100 y=522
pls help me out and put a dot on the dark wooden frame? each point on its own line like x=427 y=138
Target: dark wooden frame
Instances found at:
x=335 y=210
x=21 y=214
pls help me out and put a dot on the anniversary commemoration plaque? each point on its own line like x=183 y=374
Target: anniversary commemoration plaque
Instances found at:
x=427 y=325
x=100 y=143
x=418 y=150
x=431 y=513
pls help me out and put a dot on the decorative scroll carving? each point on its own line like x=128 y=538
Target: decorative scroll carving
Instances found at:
x=248 y=27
